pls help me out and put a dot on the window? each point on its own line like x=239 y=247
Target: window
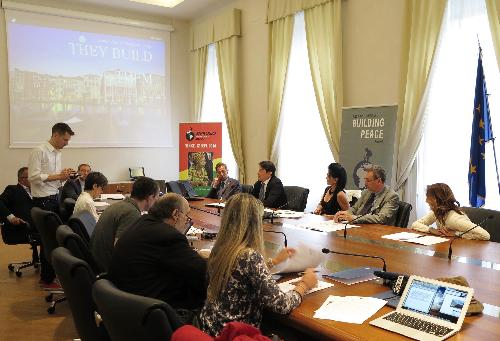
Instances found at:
x=212 y=109
x=303 y=151
x=445 y=148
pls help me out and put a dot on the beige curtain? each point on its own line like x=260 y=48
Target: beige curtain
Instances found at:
x=227 y=64
x=493 y=7
x=324 y=45
x=277 y=9
x=199 y=67
x=423 y=20
x=280 y=40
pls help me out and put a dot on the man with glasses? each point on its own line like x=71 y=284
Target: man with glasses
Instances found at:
x=378 y=203
x=74 y=187
x=153 y=258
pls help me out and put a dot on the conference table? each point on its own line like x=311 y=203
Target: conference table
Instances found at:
x=477 y=261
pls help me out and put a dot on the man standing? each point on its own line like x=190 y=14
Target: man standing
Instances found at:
x=153 y=258
x=45 y=175
x=74 y=187
x=223 y=187
x=118 y=217
x=15 y=208
x=378 y=203
x=269 y=188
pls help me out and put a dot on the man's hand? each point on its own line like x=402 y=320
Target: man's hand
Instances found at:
x=16 y=221
x=215 y=182
x=343 y=216
x=66 y=173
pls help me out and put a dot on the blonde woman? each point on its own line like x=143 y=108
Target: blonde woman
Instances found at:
x=240 y=284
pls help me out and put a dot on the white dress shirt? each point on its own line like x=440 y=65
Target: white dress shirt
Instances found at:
x=44 y=160
x=85 y=203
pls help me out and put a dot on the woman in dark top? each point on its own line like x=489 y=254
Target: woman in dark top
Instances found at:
x=334 y=199
x=240 y=284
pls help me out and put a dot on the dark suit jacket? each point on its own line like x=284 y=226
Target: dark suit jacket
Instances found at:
x=155 y=260
x=15 y=200
x=275 y=196
x=231 y=187
x=71 y=189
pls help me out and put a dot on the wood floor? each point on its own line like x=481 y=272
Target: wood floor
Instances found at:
x=23 y=310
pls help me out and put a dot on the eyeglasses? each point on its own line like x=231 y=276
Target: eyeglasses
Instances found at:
x=370 y=180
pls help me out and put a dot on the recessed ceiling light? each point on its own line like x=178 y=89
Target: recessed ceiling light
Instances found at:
x=163 y=3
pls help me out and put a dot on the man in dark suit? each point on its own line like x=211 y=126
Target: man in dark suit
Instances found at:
x=223 y=187
x=73 y=187
x=269 y=188
x=153 y=258
x=15 y=208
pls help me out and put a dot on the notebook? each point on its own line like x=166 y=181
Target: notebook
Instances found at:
x=428 y=310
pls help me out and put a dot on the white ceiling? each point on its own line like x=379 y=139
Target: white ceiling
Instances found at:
x=187 y=10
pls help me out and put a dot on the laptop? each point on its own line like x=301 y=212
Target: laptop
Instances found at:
x=428 y=310
x=179 y=188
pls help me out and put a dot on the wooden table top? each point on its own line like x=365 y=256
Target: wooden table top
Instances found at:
x=477 y=261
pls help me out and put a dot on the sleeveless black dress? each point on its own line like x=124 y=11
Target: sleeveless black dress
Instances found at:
x=331 y=207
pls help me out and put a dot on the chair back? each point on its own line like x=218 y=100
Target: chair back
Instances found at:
x=130 y=317
x=47 y=223
x=83 y=224
x=296 y=197
x=162 y=185
x=69 y=206
x=175 y=187
x=477 y=215
x=246 y=188
x=77 y=278
x=14 y=234
x=67 y=238
x=403 y=214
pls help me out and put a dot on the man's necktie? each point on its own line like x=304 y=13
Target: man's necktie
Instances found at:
x=221 y=189
x=368 y=205
x=262 y=192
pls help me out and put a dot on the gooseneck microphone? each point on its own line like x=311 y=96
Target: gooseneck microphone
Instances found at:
x=358 y=217
x=280 y=207
x=279 y=232
x=202 y=210
x=450 y=250
x=325 y=250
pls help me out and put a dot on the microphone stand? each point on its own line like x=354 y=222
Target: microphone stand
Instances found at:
x=279 y=232
x=202 y=210
x=325 y=250
x=355 y=219
x=450 y=251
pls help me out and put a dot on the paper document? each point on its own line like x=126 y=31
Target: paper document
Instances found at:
x=427 y=240
x=304 y=257
x=100 y=204
x=350 y=309
x=325 y=226
x=288 y=214
x=216 y=204
x=402 y=236
x=117 y=196
x=289 y=285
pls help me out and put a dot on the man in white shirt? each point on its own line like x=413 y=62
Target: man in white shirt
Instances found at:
x=46 y=175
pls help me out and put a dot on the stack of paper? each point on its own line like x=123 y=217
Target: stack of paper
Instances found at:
x=350 y=309
x=325 y=226
x=305 y=257
x=415 y=238
x=402 y=236
x=118 y=196
x=216 y=204
x=100 y=204
x=289 y=285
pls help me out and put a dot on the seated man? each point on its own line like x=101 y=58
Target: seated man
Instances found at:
x=15 y=208
x=378 y=203
x=119 y=216
x=223 y=187
x=74 y=187
x=153 y=258
x=269 y=188
x=94 y=185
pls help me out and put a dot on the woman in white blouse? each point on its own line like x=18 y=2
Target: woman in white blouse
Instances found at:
x=94 y=185
x=446 y=213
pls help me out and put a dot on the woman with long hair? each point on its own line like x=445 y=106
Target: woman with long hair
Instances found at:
x=446 y=213
x=334 y=198
x=240 y=283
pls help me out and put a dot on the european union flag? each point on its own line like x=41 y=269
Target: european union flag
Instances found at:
x=481 y=133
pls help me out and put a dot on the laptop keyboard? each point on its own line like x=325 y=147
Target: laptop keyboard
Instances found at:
x=418 y=324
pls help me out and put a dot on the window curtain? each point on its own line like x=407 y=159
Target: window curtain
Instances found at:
x=423 y=25
x=493 y=8
x=324 y=45
x=280 y=40
x=227 y=62
x=199 y=67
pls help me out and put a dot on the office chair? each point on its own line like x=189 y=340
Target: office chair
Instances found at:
x=83 y=224
x=403 y=214
x=246 y=188
x=130 y=317
x=477 y=215
x=77 y=278
x=21 y=234
x=296 y=197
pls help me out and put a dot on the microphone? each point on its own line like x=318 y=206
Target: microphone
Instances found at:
x=450 y=251
x=355 y=219
x=202 y=210
x=280 y=207
x=283 y=233
x=325 y=250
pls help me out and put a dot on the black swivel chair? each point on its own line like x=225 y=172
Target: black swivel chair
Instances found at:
x=296 y=197
x=129 y=317
x=162 y=185
x=21 y=234
x=47 y=223
x=77 y=278
x=246 y=188
x=477 y=215
x=403 y=214
x=83 y=224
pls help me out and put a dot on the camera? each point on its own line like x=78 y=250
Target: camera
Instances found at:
x=73 y=176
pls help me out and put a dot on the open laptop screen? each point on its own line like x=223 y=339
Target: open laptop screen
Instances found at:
x=435 y=300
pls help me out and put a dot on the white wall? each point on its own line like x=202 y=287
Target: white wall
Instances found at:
x=159 y=163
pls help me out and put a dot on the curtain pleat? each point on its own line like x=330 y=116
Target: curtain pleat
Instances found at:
x=493 y=7
x=199 y=67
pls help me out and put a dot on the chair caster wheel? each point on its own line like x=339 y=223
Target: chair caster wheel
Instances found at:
x=19 y=273
x=51 y=309
x=10 y=267
x=48 y=298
